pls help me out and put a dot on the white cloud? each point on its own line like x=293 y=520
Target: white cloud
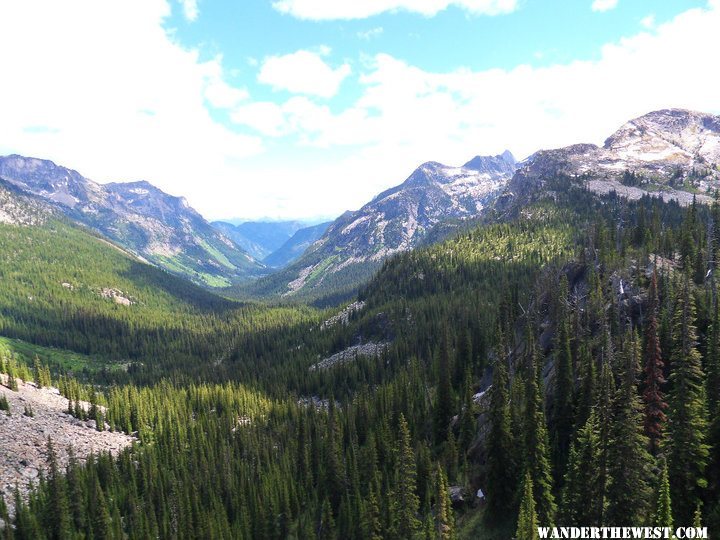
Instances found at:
x=355 y=9
x=118 y=99
x=648 y=22
x=604 y=5
x=303 y=72
x=190 y=9
x=406 y=115
x=367 y=35
x=114 y=108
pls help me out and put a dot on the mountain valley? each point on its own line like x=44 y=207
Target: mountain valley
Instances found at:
x=475 y=352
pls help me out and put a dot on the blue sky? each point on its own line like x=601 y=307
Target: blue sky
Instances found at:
x=306 y=108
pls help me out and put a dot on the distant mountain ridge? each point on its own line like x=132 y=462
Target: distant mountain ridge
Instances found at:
x=396 y=220
x=296 y=245
x=259 y=238
x=158 y=227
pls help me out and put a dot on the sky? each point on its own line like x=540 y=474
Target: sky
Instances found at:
x=302 y=109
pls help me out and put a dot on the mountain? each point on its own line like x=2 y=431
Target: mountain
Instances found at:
x=259 y=238
x=158 y=227
x=671 y=153
x=297 y=418
x=296 y=245
x=396 y=220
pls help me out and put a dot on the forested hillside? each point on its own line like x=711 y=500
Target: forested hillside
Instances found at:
x=66 y=287
x=564 y=359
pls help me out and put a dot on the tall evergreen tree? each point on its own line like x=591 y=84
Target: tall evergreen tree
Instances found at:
x=444 y=518
x=59 y=522
x=101 y=520
x=501 y=476
x=581 y=498
x=527 y=519
x=604 y=407
x=653 y=396
x=562 y=419
x=712 y=363
x=629 y=463
x=444 y=398
x=662 y=516
x=407 y=499
x=687 y=424
x=326 y=529
x=536 y=451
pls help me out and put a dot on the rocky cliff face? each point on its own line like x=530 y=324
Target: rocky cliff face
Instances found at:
x=398 y=219
x=671 y=153
x=156 y=226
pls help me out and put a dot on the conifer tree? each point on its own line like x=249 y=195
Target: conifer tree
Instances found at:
x=372 y=524
x=101 y=521
x=581 y=497
x=662 y=516
x=653 y=396
x=536 y=451
x=467 y=416
x=326 y=530
x=59 y=511
x=501 y=474
x=444 y=399
x=687 y=424
x=629 y=463
x=712 y=363
x=6 y=532
x=562 y=419
x=408 y=503
x=335 y=467
x=588 y=387
x=444 y=518
x=527 y=519
x=604 y=406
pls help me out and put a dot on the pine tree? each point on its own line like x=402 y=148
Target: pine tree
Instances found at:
x=326 y=530
x=6 y=529
x=687 y=423
x=372 y=524
x=604 y=407
x=76 y=492
x=501 y=476
x=100 y=514
x=629 y=463
x=663 y=506
x=527 y=519
x=335 y=467
x=444 y=399
x=587 y=394
x=562 y=418
x=467 y=417
x=536 y=452
x=59 y=510
x=407 y=499
x=712 y=363
x=444 y=518
x=581 y=498
x=653 y=396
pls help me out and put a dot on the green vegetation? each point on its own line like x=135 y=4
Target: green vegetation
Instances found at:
x=61 y=360
x=555 y=303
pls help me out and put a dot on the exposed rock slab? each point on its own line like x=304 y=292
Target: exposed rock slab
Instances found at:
x=23 y=439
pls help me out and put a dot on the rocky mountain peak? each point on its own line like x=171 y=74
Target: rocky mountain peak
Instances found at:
x=161 y=228
x=501 y=164
x=399 y=218
x=668 y=134
x=671 y=153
